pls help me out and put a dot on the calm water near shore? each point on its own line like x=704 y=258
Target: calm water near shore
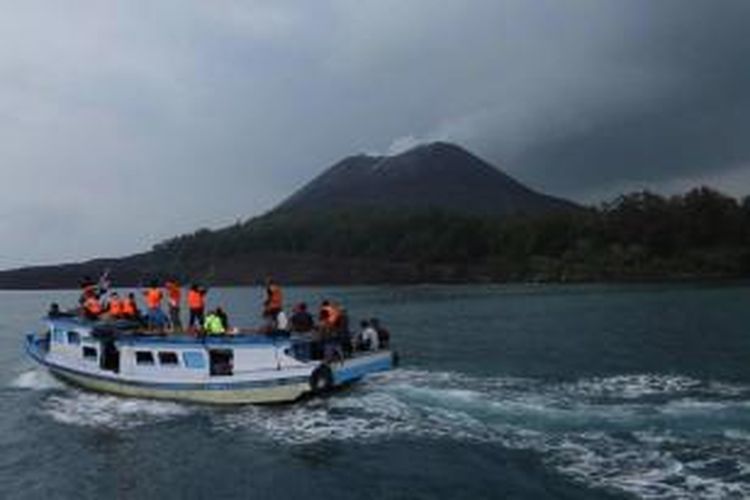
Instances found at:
x=522 y=391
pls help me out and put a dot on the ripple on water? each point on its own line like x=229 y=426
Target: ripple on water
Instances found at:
x=654 y=436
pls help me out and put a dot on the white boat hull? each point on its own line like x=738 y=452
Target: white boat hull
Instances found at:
x=278 y=384
x=272 y=394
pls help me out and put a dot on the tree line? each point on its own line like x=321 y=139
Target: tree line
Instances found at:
x=642 y=235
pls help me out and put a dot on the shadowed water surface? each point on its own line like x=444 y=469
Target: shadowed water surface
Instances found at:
x=504 y=392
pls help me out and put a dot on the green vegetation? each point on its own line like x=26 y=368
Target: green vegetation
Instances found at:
x=638 y=236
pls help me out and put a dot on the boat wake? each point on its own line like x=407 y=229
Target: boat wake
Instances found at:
x=38 y=379
x=95 y=410
x=654 y=436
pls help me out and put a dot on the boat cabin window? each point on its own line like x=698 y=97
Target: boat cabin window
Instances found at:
x=144 y=358
x=222 y=361
x=74 y=337
x=58 y=336
x=194 y=359
x=168 y=358
x=89 y=353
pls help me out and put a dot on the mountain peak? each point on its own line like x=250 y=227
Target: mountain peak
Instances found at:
x=437 y=175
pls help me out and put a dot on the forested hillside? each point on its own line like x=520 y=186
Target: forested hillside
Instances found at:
x=639 y=236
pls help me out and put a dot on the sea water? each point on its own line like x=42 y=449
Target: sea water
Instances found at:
x=522 y=391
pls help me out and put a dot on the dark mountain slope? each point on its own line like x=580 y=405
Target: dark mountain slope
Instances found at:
x=434 y=176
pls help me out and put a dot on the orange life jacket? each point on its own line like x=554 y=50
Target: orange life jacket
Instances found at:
x=275 y=299
x=92 y=306
x=128 y=308
x=153 y=298
x=115 y=306
x=195 y=299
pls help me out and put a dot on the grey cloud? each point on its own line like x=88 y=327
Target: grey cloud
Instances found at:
x=133 y=121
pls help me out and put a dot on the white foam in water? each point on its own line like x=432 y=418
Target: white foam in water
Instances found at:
x=36 y=380
x=653 y=436
x=97 y=410
x=609 y=444
x=634 y=386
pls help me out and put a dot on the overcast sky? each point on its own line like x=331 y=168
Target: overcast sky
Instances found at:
x=123 y=123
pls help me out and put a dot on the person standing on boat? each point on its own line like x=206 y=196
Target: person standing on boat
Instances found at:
x=196 y=300
x=154 y=296
x=92 y=308
x=274 y=302
x=88 y=287
x=174 y=296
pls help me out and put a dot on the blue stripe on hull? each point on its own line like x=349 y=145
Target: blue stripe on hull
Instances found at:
x=350 y=373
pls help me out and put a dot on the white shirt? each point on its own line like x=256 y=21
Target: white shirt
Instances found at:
x=370 y=336
x=282 y=322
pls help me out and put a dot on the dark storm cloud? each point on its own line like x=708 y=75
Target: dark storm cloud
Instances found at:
x=127 y=122
x=698 y=124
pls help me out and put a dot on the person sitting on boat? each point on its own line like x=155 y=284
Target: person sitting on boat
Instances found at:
x=174 y=296
x=196 y=299
x=55 y=312
x=213 y=325
x=301 y=320
x=130 y=308
x=384 y=336
x=329 y=318
x=274 y=302
x=114 y=306
x=92 y=308
x=368 y=337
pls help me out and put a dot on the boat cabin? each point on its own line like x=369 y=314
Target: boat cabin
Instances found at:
x=179 y=357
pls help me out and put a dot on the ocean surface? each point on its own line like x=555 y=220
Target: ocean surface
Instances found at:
x=524 y=391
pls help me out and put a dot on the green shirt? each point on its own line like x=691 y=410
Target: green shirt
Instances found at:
x=212 y=325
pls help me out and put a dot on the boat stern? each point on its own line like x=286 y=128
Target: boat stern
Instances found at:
x=355 y=368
